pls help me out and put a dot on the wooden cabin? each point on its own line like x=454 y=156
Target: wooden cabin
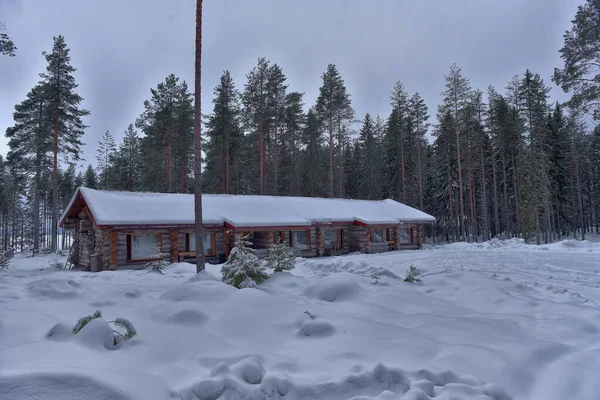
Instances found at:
x=121 y=230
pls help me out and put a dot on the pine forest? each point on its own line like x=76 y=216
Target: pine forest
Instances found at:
x=488 y=162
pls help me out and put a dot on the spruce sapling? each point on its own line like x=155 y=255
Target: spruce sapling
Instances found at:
x=412 y=275
x=281 y=257
x=160 y=261
x=376 y=276
x=243 y=268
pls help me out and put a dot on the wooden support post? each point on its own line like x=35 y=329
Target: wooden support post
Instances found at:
x=396 y=235
x=113 y=250
x=175 y=245
x=271 y=238
x=420 y=236
x=368 y=248
x=319 y=241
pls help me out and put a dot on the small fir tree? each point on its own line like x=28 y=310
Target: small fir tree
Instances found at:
x=412 y=275
x=160 y=260
x=243 y=269
x=281 y=257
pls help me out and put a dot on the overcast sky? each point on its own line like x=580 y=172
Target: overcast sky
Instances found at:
x=122 y=48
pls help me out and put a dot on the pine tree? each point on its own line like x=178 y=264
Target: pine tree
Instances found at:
x=418 y=116
x=30 y=143
x=104 y=155
x=243 y=268
x=262 y=97
x=67 y=125
x=126 y=162
x=224 y=148
x=368 y=171
x=334 y=108
x=7 y=47
x=534 y=109
x=167 y=122
x=90 y=178
x=456 y=97
x=581 y=57
x=294 y=122
x=314 y=171
x=281 y=257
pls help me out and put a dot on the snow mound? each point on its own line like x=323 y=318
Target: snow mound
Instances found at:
x=247 y=379
x=54 y=289
x=55 y=386
x=178 y=314
x=249 y=370
x=96 y=334
x=313 y=328
x=59 y=331
x=575 y=245
x=334 y=288
x=133 y=293
x=209 y=291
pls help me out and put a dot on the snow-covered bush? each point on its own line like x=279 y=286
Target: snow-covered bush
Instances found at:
x=4 y=259
x=160 y=260
x=83 y=321
x=243 y=268
x=122 y=323
x=281 y=257
x=376 y=276
x=412 y=275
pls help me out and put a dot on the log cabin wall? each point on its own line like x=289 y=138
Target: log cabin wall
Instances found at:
x=357 y=238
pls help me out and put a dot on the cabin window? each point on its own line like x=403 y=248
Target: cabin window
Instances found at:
x=209 y=243
x=377 y=235
x=143 y=247
x=300 y=240
x=332 y=239
x=404 y=235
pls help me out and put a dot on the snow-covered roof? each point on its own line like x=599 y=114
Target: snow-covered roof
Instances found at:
x=137 y=208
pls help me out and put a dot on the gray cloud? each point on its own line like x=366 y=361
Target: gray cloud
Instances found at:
x=123 y=48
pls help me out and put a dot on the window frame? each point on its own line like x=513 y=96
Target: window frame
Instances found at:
x=213 y=242
x=129 y=255
x=409 y=235
x=383 y=235
x=308 y=240
x=340 y=238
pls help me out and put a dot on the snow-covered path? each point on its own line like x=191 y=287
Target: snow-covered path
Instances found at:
x=498 y=320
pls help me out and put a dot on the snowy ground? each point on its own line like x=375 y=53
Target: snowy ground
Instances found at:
x=499 y=320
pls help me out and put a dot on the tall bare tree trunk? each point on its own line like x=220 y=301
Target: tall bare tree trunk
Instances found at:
x=495 y=183
x=54 y=239
x=340 y=156
x=401 y=139
x=460 y=184
x=170 y=167
x=199 y=227
x=486 y=229
x=330 y=153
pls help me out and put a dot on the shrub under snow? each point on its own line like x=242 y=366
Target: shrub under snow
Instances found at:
x=243 y=269
x=412 y=275
x=160 y=262
x=124 y=324
x=281 y=257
